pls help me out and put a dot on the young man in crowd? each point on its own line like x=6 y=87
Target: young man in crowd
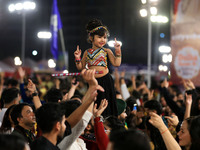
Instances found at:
x=24 y=120
x=128 y=140
x=10 y=97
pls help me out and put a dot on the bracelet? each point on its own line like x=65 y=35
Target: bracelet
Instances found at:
x=164 y=131
x=118 y=55
x=121 y=78
x=78 y=60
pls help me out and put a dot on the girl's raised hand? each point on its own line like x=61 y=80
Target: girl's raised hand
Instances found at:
x=117 y=48
x=77 y=53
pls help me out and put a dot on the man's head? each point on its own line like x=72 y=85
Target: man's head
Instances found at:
x=54 y=95
x=121 y=107
x=12 y=83
x=153 y=106
x=23 y=115
x=11 y=96
x=70 y=106
x=128 y=140
x=51 y=119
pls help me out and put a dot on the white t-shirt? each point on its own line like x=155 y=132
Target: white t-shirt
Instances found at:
x=2 y=114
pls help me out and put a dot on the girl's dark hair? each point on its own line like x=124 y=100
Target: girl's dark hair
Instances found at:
x=114 y=123
x=6 y=123
x=194 y=129
x=92 y=24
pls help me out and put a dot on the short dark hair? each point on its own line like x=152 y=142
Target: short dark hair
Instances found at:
x=130 y=102
x=153 y=105
x=129 y=139
x=70 y=106
x=17 y=112
x=9 y=95
x=77 y=96
x=48 y=115
x=12 y=82
x=53 y=95
x=11 y=142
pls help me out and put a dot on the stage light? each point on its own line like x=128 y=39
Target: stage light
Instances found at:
x=144 y=1
x=65 y=71
x=143 y=12
x=159 y=19
x=111 y=43
x=162 y=35
x=34 y=52
x=44 y=35
x=162 y=68
x=167 y=58
x=164 y=49
x=27 y=5
x=17 y=61
x=153 y=10
x=51 y=63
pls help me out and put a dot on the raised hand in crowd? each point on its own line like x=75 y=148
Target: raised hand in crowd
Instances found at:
x=57 y=83
x=34 y=93
x=172 y=120
x=150 y=94
x=146 y=90
x=188 y=105
x=133 y=82
x=169 y=140
x=1 y=81
x=88 y=76
x=122 y=75
x=22 y=74
x=74 y=85
x=88 y=99
x=188 y=84
x=165 y=83
x=117 y=78
x=102 y=107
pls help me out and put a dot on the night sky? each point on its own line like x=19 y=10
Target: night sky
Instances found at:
x=120 y=16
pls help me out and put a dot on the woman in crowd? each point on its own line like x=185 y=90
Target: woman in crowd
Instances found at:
x=189 y=134
x=7 y=124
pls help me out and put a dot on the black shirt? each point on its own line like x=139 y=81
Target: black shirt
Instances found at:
x=23 y=133
x=43 y=144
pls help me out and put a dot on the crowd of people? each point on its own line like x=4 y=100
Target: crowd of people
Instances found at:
x=61 y=113
x=93 y=111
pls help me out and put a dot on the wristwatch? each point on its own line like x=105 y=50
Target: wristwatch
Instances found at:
x=34 y=94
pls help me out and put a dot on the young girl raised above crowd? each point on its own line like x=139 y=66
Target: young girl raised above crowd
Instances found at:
x=97 y=58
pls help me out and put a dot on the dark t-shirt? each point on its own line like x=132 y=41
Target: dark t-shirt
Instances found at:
x=43 y=144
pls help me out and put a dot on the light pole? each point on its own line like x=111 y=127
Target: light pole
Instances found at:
x=149 y=46
x=149 y=9
x=44 y=35
x=21 y=8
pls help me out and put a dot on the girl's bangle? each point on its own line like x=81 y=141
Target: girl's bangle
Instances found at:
x=164 y=131
x=78 y=60
x=118 y=56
